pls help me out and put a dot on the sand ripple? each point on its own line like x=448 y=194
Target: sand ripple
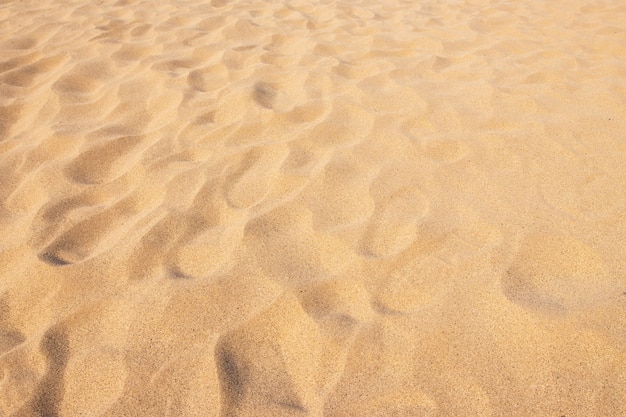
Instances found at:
x=330 y=208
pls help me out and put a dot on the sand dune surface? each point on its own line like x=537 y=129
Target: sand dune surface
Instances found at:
x=312 y=208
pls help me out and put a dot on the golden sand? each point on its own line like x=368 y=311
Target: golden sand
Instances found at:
x=312 y=208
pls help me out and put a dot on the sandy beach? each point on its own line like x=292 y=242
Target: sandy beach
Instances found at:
x=331 y=208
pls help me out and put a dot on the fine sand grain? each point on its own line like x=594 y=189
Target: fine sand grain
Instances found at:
x=339 y=208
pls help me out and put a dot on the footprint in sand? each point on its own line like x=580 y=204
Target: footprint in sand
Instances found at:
x=555 y=274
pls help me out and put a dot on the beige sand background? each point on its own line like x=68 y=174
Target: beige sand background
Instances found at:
x=312 y=208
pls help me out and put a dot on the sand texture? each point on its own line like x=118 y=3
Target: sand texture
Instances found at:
x=339 y=208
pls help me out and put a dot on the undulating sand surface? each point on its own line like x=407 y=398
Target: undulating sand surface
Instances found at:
x=313 y=208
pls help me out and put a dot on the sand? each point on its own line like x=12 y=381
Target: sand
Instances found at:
x=312 y=208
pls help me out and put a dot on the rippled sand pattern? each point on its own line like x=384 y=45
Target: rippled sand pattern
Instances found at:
x=312 y=208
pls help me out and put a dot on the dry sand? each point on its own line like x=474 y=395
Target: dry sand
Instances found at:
x=312 y=208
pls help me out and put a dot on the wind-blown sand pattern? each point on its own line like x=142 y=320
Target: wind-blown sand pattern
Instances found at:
x=312 y=208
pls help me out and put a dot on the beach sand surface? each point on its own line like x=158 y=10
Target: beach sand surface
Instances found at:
x=312 y=208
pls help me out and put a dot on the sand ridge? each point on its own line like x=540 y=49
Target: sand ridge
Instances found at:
x=329 y=208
